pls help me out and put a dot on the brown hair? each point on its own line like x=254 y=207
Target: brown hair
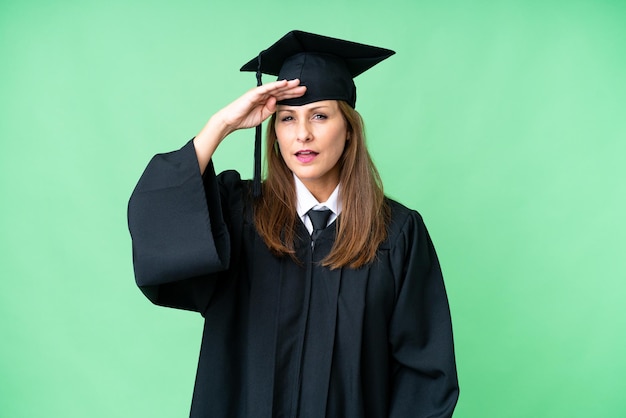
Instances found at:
x=364 y=216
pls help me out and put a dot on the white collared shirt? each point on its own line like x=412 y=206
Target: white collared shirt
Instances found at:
x=306 y=201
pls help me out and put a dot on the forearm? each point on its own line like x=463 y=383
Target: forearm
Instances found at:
x=208 y=139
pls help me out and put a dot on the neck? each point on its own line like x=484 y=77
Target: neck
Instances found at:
x=321 y=191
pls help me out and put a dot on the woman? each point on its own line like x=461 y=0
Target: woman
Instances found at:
x=320 y=296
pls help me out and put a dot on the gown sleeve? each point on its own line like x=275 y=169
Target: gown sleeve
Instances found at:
x=424 y=379
x=180 y=240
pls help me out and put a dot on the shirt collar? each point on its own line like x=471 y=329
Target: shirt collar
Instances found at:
x=306 y=200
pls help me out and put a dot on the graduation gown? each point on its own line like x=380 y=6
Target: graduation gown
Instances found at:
x=283 y=339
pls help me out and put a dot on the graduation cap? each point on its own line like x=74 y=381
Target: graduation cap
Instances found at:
x=326 y=66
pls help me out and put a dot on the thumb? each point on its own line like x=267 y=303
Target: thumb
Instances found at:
x=270 y=107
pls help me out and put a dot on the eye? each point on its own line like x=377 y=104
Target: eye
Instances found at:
x=286 y=118
x=320 y=116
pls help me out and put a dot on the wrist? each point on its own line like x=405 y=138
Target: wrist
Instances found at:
x=218 y=127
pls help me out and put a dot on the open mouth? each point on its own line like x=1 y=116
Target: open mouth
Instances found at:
x=306 y=156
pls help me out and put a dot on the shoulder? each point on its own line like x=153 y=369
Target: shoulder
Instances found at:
x=235 y=193
x=402 y=216
x=230 y=179
x=405 y=224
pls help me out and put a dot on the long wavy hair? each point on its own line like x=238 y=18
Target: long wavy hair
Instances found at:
x=362 y=226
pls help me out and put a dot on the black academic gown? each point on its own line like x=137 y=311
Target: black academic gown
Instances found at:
x=282 y=339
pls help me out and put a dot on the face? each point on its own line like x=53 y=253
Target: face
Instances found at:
x=312 y=138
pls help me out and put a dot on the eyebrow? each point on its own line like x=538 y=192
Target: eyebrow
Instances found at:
x=313 y=109
x=319 y=107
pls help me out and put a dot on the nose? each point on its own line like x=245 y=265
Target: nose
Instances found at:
x=303 y=132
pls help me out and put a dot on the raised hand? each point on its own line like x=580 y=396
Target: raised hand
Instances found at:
x=249 y=110
x=258 y=104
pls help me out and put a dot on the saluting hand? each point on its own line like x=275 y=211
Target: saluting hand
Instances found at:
x=247 y=111
x=258 y=104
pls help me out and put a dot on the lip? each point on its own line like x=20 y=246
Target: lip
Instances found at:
x=306 y=155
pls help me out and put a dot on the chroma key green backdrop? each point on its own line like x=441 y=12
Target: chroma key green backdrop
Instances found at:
x=503 y=123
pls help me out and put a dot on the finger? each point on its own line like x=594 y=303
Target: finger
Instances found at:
x=280 y=90
x=293 y=87
x=270 y=107
x=279 y=86
x=261 y=93
x=290 y=94
x=274 y=86
x=291 y=84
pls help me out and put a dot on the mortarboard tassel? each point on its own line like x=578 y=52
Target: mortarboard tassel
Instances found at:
x=256 y=182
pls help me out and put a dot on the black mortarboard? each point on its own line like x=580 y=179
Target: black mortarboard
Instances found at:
x=326 y=66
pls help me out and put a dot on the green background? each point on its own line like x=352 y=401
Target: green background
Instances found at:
x=503 y=123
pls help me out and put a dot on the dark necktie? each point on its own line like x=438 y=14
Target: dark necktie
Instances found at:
x=319 y=219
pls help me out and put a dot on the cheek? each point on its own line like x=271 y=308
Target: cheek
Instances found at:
x=340 y=142
x=281 y=134
x=280 y=148
x=283 y=129
x=341 y=148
